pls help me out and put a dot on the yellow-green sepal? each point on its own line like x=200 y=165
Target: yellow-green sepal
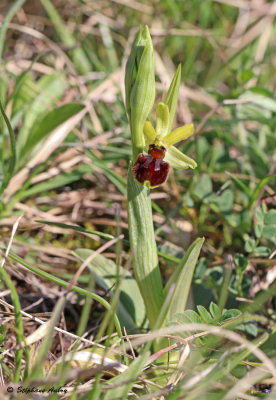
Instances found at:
x=179 y=160
x=181 y=133
x=149 y=133
x=172 y=96
x=162 y=120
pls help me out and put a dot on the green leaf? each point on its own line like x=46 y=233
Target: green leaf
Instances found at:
x=224 y=201
x=249 y=245
x=229 y=314
x=258 y=188
x=19 y=328
x=172 y=96
x=182 y=279
x=241 y=262
x=269 y=231
x=260 y=215
x=65 y=284
x=258 y=229
x=124 y=382
x=53 y=119
x=251 y=329
x=215 y=311
x=103 y=235
x=5 y=23
x=115 y=178
x=12 y=158
x=25 y=90
x=240 y=184
x=188 y=316
x=50 y=89
x=78 y=229
x=205 y=315
x=38 y=365
x=270 y=217
x=246 y=75
x=263 y=101
x=200 y=269
x=262 y=251
x=131 y=309
x=58 y=181
x=79 y=56
x=204 y=187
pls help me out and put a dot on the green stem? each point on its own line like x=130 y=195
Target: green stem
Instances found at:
x=143 y=246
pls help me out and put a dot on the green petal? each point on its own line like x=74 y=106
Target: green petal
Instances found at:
x=179 y=160
x=178 y=134
x=149 y=132
x=162 y=120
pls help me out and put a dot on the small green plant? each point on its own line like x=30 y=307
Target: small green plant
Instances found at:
x=148 y=339
x=160 y=302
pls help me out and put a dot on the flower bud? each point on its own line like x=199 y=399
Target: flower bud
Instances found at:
x=140 y=87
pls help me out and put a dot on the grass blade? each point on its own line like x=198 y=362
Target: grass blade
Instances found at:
x=12 y=158
x=106 y=236
x=258 y=188
x=79 y=57
x=63 y=283
x=11 y=13
x=240 y=184
x=18 y=322
x=126 y=379
x=131 y=309
x=182 y=278
x=37 y=370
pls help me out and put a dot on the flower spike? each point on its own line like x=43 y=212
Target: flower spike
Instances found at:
x=152 y=170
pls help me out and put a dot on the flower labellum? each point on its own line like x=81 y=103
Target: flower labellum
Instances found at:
x=151 y=170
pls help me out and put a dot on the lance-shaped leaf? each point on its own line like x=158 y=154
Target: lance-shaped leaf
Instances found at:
x=182 y=278
x=131 y=310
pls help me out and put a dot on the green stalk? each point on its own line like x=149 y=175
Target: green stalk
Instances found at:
x=143 y=246
x=140 y=94
x=140 y=90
